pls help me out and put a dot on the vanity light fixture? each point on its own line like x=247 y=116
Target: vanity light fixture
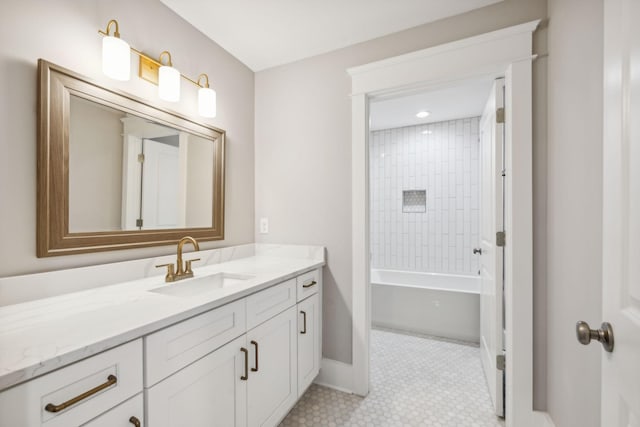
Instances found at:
x=422 y=114
x=165 y=76
x=116 y=54
x=206 y=98
x=168 y=80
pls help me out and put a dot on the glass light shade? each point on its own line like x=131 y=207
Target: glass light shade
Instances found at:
x=169 y=84
x=116 y=58
x=207 y=102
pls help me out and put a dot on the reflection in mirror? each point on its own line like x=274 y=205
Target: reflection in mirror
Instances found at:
x=130 y=173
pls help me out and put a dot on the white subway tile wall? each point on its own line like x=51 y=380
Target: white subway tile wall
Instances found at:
x=443 y=159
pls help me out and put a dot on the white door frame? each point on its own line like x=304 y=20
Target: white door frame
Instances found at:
x=506 y=52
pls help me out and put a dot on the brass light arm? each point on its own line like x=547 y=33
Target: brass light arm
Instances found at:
x=116 y=33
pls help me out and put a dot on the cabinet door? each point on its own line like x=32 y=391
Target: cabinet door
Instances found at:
x=127 y=414
x=308 y=342
x=209 y=392
x=272 y=385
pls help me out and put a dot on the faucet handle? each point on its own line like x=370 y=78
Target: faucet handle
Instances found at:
x=171 y=276
x=187 y=268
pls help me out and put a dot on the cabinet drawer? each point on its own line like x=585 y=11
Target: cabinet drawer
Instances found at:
x=114 y=376
x=177 y=346
x=266 y=304
x=309 y=283
x=127 y=414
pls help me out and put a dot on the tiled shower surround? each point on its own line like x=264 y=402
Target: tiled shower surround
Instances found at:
x=443 y=159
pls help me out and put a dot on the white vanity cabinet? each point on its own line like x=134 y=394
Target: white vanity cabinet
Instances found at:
x=243 y=364
x=78 y=393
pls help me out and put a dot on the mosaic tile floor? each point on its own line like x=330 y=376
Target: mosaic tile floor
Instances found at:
x=415 y=382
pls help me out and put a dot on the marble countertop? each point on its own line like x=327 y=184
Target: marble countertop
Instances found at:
x=40 y=336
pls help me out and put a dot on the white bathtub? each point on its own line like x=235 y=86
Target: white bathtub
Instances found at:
x=440 y=305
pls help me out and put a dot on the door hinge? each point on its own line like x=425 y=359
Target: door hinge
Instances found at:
x=501 y=362
x=141 y=158
x=500 y=115
x=139 y=222
x=501 y=238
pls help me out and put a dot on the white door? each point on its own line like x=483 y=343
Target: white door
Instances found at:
x=160 y=185
x=209 y=392
x=131 y=181
x=308 y=342
x=621 y=213
x=273 y=385
x=491 y=257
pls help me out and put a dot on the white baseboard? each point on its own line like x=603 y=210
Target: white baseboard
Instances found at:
x=542 y=419
x=336 y=375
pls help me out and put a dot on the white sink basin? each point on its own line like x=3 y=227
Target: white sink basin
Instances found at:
x=200 y=285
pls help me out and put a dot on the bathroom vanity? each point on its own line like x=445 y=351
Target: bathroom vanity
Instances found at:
x=236 y=345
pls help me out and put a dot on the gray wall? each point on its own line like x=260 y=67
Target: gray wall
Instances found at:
x=574 y=255
x=65 y=32
x=303 y=158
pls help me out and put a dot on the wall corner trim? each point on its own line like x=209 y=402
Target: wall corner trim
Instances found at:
x=336 y=375
x=542 y=419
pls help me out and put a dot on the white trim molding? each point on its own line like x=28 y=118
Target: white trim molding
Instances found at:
x=336 y=375
x=542 y=419
x=503 y=53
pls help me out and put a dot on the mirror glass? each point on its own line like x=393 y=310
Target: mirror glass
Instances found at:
x=131 y=173
x=118 y=172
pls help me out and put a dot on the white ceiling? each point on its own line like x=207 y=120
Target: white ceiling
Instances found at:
x=266 y=33
x=464 y=99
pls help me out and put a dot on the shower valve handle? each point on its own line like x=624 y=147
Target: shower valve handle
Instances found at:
x=477 y=251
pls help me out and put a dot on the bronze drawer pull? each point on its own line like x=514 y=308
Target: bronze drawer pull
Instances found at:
x=246 y=364
x=111 y=380
x=304 y=322
x=308 y=285
x=135 y=421
x=256 y=368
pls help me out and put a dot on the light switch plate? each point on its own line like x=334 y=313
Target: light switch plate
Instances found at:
x=264 y=225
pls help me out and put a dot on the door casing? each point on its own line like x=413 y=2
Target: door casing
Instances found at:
x=506 y=52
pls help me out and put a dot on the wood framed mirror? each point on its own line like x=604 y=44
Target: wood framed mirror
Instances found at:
x=115 y=172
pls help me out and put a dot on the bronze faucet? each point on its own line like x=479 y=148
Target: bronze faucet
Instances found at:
x=183 y=270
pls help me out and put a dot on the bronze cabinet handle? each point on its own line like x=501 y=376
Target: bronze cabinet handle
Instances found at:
x=256 y=368
x=304 y=322
x=308 y=285
x=246 y=364
x=111 y=380
x=135 y=421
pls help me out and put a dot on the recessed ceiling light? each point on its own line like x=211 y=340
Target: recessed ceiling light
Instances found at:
x=427 y=132
x=423 y=114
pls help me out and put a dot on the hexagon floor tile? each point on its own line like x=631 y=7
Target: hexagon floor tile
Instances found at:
x=415 y=381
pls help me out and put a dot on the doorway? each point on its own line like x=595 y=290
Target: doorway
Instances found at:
x=436 y=204
x=507 y=53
